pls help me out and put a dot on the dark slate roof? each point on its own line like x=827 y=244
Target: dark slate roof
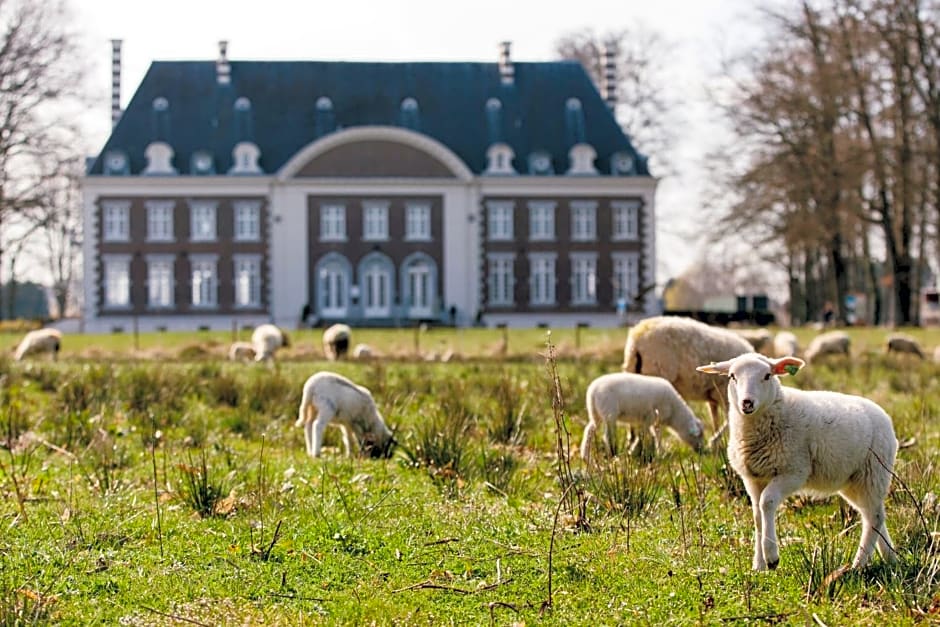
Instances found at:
x=451 y=100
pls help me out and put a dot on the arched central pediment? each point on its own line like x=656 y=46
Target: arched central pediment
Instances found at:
x=375 y=152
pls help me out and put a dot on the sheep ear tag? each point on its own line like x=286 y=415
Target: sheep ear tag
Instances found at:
x=788 y=365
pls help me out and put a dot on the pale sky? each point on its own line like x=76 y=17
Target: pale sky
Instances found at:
x=425 y=30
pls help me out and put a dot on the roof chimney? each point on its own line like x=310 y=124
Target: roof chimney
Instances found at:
x=609 y=74
x=506 y=70
x=115 y=81
x=223 y=71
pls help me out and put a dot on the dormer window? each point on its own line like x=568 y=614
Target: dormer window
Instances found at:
x=622 y=163
x=499 y=159
x=242 y=104
x=159 y=159
x=202 y=163
x=410 y=114
x=245 y=156
x=540 y=163
x=116 y=163
x=581 y=158
x=325 y=121
x=160 y=104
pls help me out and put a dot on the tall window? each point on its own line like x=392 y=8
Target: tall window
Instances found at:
x=419 y=276
x=542 y=279
x=542 y=220
x=376 y=279
x=117 y=281
x=160 y=281
x=500 y=279
x=375 y=220
x=247 y=280
x=204 y=281
x=499 y=220
x=247 y=220
x=333 y=278
x=202 y=221
x=160 y=220
x=625 y=221
x=116 y=221
x=626 y=276
x=583 y=278
x=418 y=221
x=583 y=221
x=332 y=223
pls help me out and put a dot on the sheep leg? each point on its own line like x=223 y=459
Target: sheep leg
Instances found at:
x=610 y=436
x=874 y=530
x=779 y=488
x=347 y=438
x=718 y=426
x=754 y=493
x=587 y=441
x=315 y=431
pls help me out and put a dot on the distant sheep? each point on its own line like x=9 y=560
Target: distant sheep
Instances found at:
x=335 y=398
x=644 y=401
x=759 y=339
x=241 y=351
x=336 y=341
x=40 y=341
x=363 y=352
x=830 y=343
x=785 y=344
x=783 y=440
x=671 y=347
x=902 y=343
x=266 y=339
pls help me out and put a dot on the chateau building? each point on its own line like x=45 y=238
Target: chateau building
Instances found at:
x=381 y=194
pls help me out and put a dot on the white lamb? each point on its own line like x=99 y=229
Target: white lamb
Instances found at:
x=336 y=341
x=40 y=341
x=334 y=397
x=266 y=339
x=363 y=352
x=830 y=343
x=647 y=402
x=785 y=344
x=671 y=347
x=783 y=441
x=241 y=351
x=759 y=339
x=903 y=343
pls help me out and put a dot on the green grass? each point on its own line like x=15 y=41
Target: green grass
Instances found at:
x=139 y=490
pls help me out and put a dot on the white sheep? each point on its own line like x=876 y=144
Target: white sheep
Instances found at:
x=785 y=344
x=335 y=398
x=830 y=343
x=936 y=355
x=266 y=339
x=641 y=400
x=759 y=339
x=784 y=440
x=40 y=341
x=903 y=343
x=336 y=341
x=363 y=352
x=241 y=351
x=671 y=347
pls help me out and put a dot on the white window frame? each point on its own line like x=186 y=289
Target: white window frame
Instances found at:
x=583 y=221
x=417 y=221
x=375 y=220
x=203 y=221
x=625 y=287
x=625 y=221
x=583 y=278
x=543 y=279
x=324 y=278
x=199 y=264
x=160 y=294
x=499 y=220
x=246 y=216
x=116 y=221
x=160 y=220
x=255 y=278
x=115 y=290
x=542 y=220
x=376 y=274
x=332 y=222
x=500 y=279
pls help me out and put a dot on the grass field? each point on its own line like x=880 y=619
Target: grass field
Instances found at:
x=159 y=484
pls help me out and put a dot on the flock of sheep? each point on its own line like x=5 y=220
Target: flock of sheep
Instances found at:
x=781 y=440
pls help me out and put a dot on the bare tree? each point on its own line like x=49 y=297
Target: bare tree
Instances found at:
x=60 y=227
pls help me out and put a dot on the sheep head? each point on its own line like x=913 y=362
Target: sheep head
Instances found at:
x=753 y=379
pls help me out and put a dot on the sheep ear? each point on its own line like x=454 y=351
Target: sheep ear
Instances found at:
x=721 y=367
x=787 y=365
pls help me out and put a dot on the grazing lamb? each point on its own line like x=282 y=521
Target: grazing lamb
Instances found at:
x=336 y=398
x=40 y=341
x=641 y=400
x=759 y=339
x=783 y=441
x=363 y=352
x=902 y=343
x=785 y=344
x=336 y=341
x=241 y=351
x=831 y=343
x=670 y=347
x=266 y=339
